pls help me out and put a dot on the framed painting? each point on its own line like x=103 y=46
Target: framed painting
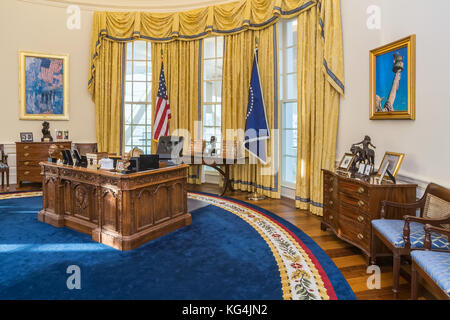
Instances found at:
x=43 y=86
x=392 y=80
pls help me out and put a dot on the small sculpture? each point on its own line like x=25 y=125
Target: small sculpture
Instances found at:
x=125 y=161
x=364 y=154
x=212 y=142
x=46 y=136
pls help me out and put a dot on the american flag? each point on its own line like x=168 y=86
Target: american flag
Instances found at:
x=50 y=71
x=162 y=112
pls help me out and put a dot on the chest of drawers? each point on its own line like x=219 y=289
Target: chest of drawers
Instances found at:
x=349 y=206
x=28 y=156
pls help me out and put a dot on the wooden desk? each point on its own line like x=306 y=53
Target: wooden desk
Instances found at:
x=123 y=211
x=216 y=163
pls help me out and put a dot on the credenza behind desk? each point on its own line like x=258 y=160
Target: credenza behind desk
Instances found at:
x=123 y=211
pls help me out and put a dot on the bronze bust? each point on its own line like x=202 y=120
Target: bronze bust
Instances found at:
x=46 y=136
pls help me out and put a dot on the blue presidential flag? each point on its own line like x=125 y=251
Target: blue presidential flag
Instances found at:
x=256 y=128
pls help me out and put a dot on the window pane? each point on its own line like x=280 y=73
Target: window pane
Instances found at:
x=218 y=115
x=291 y=86
x=208 y=116
x=128 y=91
x=209 y=50
x=289 y=169
x=208 y=91
x=149 y=92
x=149 y=51
x=140 y=50
x=209 y=69
x=219 y=46
x=138 y=135
x=129 y=50
x=218 y=91
x=128 y=148
x=139 y=114
x=218 y=70
x=139 y=70
x=291 y=60
x=127 y=114
x=139 y=94
x=290 y=142
x=127 y=135
x=289 y=115
x=291 y=32
x=129 y=71
x=149 y=115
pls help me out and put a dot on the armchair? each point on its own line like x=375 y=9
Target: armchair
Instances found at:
x=432 y=265
x=400 y=236
x=4 y=168
x=84 y=148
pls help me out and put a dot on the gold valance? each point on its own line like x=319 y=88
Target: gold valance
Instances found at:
x=223 y=19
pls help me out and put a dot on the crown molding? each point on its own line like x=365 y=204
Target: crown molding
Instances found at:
x=130 y=5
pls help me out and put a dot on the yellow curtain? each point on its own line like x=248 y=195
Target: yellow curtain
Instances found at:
x=182 y=73
x=238 y=61
x=107 y=96
x=320 y=83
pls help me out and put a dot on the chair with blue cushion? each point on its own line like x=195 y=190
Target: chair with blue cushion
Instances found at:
x=432 y=265
x=400 y=236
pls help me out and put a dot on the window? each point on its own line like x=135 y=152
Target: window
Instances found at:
x=212 y=88
x=137 y=113
x=287 y=30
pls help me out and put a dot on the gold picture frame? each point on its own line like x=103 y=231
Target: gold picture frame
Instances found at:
x=392 y=90
x=43 y=86
x=394 y=161
x=346 y=162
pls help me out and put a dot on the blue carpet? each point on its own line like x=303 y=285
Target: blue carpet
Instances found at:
x=214 y=258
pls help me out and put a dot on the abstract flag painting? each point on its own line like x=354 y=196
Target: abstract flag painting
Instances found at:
x=43 y=86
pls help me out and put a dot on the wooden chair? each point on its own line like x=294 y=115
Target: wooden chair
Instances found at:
x=4 y=168
x=84 y=148
x=432 y=265
x=400 y=236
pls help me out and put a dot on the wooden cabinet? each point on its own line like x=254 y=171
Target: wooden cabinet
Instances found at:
x=349 y=206
x=28 y=156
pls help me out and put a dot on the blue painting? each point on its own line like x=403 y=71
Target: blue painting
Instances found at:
x=392 y=81
x=44 y=86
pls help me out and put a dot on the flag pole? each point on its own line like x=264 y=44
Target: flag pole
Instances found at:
x=255 y=196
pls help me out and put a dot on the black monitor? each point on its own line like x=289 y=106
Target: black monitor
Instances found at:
x=170 y=147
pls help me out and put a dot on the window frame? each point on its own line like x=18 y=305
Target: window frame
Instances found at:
x=146 y=145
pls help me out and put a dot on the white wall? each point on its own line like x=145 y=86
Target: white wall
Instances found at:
x=425 y=141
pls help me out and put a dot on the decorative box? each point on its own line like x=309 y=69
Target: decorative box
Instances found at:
x=93 y=159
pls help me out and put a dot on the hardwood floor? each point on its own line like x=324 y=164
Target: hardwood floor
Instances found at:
x=348 y=259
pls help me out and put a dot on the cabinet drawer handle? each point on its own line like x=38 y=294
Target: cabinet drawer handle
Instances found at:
x=26 y=172
x=361 y=190
x=331 y=189
x=26 y=163
x=360 y=236
x=61 y=146
x=360 y=203
x=331 y=202
x=360 y=218
x=26 y=154
x=26 y=147
x=331 y=218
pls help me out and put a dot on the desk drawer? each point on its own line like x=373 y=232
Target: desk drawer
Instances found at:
x=354 y=203
x=26 y=164
x=357 y=190
x=31 y=174
x=357 y=233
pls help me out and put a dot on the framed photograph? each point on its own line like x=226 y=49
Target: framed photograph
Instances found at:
x=392 y=162
x=346 y=162
x=362 y=168
x=43 y=86
x=392 y=80
x=59 y=135
x=120 y=166
x=368 y=170
x=26 y=137
x=66 y=135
